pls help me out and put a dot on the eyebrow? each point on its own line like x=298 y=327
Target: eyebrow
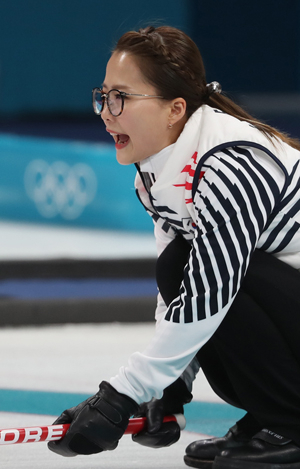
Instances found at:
x=116 y=87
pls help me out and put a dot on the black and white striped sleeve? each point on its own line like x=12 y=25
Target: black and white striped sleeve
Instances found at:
x=233 y=202
x=234 y=199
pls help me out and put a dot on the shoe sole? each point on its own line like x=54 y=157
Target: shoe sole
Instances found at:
x=199 y=464
x=227 y=463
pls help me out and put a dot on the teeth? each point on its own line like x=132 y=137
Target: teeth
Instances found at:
x=117 y=139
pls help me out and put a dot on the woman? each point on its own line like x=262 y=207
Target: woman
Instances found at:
x=223 y=191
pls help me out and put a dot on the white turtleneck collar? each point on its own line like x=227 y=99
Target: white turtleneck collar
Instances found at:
x=155 y=163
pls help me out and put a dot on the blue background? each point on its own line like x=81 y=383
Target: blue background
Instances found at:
x=53 y=52
x=115 y=205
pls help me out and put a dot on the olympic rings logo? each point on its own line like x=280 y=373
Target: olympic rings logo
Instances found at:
x=60 y=189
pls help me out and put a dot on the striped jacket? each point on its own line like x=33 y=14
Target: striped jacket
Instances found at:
x=228 y=190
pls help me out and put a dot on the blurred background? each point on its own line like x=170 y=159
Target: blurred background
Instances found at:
x=76 y=247
x=67 y=209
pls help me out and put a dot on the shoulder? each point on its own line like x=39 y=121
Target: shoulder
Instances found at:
x=217 y=130
x=242 y=166
x=223 y=135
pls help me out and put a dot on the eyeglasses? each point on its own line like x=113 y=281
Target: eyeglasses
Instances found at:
x=114 y=99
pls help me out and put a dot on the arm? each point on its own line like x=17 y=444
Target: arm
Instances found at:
x=233 y=203
x=163 y=237
x=234 y=200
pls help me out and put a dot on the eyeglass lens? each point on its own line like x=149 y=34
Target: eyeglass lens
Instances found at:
x=114 y=102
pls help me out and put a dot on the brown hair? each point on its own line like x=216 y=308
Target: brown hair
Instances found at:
x=171 y=62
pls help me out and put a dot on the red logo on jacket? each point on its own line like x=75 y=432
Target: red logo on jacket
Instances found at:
x=189 y=177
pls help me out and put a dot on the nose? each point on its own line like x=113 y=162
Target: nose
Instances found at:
x=105 y=114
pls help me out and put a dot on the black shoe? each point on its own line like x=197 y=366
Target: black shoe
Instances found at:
x=266 y=450
x=201 y=453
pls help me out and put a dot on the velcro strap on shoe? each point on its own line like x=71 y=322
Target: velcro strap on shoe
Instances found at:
x=271 y=437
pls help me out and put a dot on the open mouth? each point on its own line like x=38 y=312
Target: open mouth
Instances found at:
x=121 y=139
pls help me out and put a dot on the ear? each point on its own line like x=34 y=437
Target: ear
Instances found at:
x=177 y=110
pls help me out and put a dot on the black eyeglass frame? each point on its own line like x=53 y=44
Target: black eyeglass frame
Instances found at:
x=121 y=93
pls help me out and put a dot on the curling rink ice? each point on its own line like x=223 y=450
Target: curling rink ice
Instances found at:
x=75 y=358
x=39 y=363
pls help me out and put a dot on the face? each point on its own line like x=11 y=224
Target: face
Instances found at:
x=142 y=129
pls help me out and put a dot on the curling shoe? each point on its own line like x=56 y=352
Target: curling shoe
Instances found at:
x=201 y=453
x=266 y=450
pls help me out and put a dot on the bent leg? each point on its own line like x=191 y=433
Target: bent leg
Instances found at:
x=261 y=366
x=275 y=287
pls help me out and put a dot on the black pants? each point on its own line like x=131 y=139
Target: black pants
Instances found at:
x=253 y=359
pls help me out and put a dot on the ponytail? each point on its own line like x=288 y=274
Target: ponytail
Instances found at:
x=172 y=63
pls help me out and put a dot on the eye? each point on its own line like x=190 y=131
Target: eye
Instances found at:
x=115 y=95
